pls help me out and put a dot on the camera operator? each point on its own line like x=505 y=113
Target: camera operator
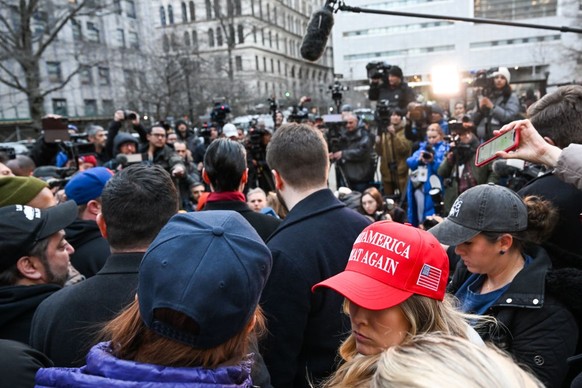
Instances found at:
x=256 y=146
x=393 y=148
x=354 y=160
x=424 y=164
x=458 y=169
x=121 y=118
x=386 y=83
x=496 y=103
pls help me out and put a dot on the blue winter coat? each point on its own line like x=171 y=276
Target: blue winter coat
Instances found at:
x=440 y=150
x=105 y=370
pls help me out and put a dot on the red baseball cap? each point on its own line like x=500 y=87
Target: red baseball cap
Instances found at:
x=390 y=262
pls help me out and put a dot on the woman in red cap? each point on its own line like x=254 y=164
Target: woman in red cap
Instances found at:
x=394 y=285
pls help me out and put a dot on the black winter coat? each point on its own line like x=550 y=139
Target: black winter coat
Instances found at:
x=312 y=243
x=533 y=323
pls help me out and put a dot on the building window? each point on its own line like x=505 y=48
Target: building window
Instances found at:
x=184 y=13
x=192 y=12
x=253 y=8
x=270 y=40
x=229 y=8
x=162 y=16
x=255 y=34
x=93 y=33
x=104 y=78
x=279 y=66
x=129 y=79
x=263 y=36
x=131 y=13
x=277 y=41
x=275 y=15
x=238 y=63
x=256 y=62
x=264 y=64
x=268 y=12
x=272 y=66
x=165 y=43
x=54 y=71
x=515 y=9
x=117 y=7
x=237 y=7
x=195 y=40
x=90 y=108
x=241 y=33
x=77 y=30
x=231 y=38
x=186 y=38
x=208 y=10
x=121 y=37
x=210 y=37
x=60 y=107
x=170 y=15
x=108 y=107
x=86 y=75
x=218 y=37
x=133 y=40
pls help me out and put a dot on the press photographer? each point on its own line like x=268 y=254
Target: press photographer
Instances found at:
x=496 y=104
x=458 y=169
x=418 y=118
x=354 y=157
x=219 y=113
x=256 y=146
x=386 y=83
x=299 y=113
x=393 y=148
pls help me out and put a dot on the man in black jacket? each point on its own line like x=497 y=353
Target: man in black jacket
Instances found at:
x=354 y=161
x=225 y=170
x=34 y=259
x=136 y=203
x=395 y=91
x=311 y=244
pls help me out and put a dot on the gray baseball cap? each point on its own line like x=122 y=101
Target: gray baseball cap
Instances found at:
x=483 y=208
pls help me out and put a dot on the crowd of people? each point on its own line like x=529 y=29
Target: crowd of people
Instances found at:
x=172 y=257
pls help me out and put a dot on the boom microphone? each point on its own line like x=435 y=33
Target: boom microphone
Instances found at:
x=317 y=34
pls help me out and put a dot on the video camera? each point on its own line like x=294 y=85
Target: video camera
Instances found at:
x=483 y=83
x=272 y=105
x=10 y=152
x=378 y=70
x=334 y=136
x=55 y=177
x=219 y=113
x=129 y=115
x=297 y=115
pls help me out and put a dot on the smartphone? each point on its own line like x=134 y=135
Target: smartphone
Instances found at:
x=55 y=129
x=507 y=141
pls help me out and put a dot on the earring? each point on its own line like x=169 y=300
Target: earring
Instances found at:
x=502 y=252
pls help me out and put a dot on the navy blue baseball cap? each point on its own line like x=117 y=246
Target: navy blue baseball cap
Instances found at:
x=212 y=267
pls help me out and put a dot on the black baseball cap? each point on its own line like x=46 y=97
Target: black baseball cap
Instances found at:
x=22 y=226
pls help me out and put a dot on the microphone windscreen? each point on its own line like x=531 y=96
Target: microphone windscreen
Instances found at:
x=317 y=34
x=121 y=159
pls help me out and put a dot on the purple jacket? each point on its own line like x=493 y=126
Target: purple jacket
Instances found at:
x=103 y=369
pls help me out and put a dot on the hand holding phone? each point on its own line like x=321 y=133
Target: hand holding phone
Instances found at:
x=506 y=142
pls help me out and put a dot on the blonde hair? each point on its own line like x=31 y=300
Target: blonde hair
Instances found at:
x=441 y=360
x=425 y=315
x=132 y=340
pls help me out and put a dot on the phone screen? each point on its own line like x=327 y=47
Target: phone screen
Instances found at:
x=486 y=151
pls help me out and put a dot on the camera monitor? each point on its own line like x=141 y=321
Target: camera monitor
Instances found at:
x=55 y=129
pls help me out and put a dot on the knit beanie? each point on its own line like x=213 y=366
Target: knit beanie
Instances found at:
x=18 y=190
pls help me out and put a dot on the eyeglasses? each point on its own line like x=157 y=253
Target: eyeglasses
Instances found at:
x=159 y=134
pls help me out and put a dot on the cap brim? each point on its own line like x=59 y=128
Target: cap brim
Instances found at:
x=57 y=218
x=365 y=291
x=450 y=233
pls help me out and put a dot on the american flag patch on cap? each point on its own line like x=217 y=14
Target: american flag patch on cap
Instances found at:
x=429 y=277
